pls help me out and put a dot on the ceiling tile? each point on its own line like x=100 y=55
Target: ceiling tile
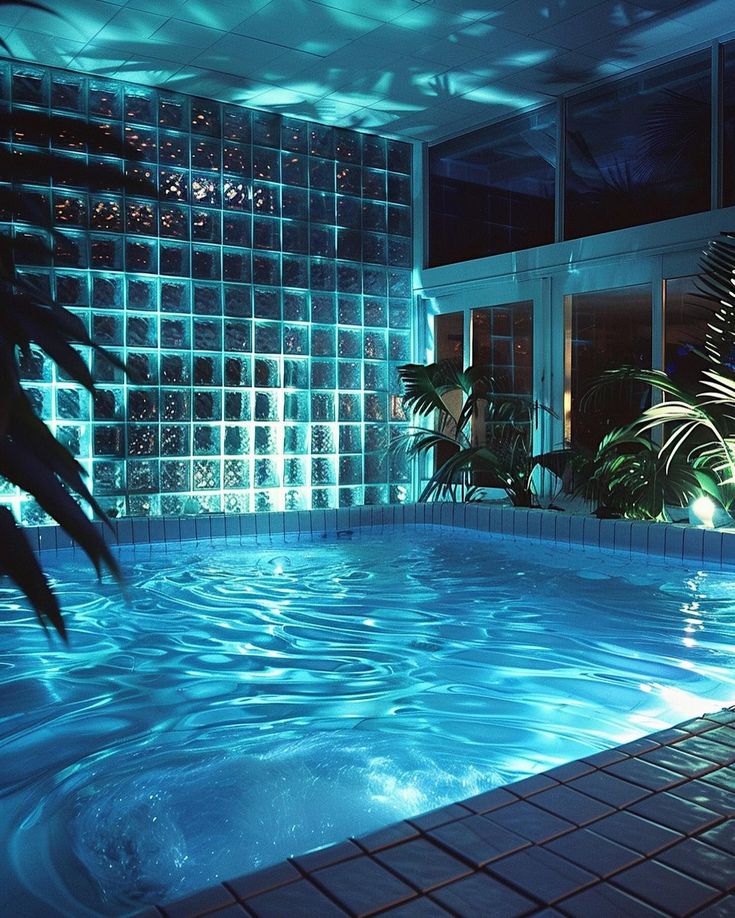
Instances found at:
x=606 y=19
x=212 y=13
x=47 y=49
x=86 y=19
x=384 y=11
x=237 y=54
x=527 y=19
x=147 y=70
x=131 y=24
x=451 y=54
x=175 y=32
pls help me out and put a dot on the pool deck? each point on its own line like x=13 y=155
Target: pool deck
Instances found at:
x=642 y=830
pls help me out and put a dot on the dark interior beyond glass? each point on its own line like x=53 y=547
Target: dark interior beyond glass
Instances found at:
x=609 y=328
x=502 y=340
x=492 y=191
x=639 y=151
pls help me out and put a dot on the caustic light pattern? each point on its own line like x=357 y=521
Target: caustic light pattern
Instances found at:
x=260 y=287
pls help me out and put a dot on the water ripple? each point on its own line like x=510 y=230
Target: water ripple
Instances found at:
x=294 y=696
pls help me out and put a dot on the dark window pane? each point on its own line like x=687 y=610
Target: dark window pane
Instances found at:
x=728 y=124
x=492 y=191
x=502 y=340
x=639 y=151
x=449 y=338
x=609 y=328
x=685 y=324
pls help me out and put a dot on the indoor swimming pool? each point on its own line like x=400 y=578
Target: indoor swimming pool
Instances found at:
x=240 y=703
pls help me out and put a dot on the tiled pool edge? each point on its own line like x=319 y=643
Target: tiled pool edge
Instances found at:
x=575 y=828
x=645 y=829
x=671 y=541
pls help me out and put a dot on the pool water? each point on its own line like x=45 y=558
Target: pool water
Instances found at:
x=242 y=703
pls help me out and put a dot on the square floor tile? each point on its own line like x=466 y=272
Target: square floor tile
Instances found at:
x=723 y=777
x=542 y=874
x=478 y=840
x=675 y=813
x=722 y=836
x=362 y=886
x=646 y=774
x=703 y=862
x=674 y=758
x=528 y=786
x=632 y=831
x=609 y=789
x=332 y=854
x=664 y=888
x=710 y=796
x=250 y=884
x=569 y=804
x=422 y=864
x=605 y=901
x=296 y=900
x=723 y=908
x=723 y=735
x=708 y=747
x=530 y=821
x=600 y=855
x=199 y=903
x=422 y=907
x=490 y=800
x=482 y=895
x=389 y=835
x=438 y=817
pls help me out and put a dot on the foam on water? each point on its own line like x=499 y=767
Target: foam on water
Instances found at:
x=243 y=704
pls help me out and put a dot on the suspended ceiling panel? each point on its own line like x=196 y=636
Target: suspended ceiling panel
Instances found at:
x=415 y=69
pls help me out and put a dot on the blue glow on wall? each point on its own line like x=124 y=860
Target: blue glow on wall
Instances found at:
x=262 y=290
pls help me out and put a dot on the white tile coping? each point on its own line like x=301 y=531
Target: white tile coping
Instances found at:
x=671 y=541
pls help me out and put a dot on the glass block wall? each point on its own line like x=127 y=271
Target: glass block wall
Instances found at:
x=260 y=288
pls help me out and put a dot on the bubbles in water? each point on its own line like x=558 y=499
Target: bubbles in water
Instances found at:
x=276 y=566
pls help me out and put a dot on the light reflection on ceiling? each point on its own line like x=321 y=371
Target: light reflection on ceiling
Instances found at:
x=414 y=69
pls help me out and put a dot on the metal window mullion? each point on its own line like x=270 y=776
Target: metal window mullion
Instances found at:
x=560 y=168
x=716 y=112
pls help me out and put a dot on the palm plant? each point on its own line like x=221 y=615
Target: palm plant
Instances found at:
x=697 y=425
x=482 y=439
x=31 y=458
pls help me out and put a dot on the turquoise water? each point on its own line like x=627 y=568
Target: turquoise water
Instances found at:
x=243 y=703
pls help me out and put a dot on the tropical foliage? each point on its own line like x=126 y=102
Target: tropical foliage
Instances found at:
x=481 y=439
x=695 y=425
x=31 y=458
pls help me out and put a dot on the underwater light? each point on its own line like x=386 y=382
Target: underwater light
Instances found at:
x=703 y=509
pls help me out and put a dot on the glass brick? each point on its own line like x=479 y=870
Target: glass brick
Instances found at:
x=142 y=475
x=142 y=440
x=350 y=470
x=322 y=439
x=348 y=179
x=399 y=283
x=266 y=233
x=266 y=303
x=141 y=293
x=266 y=473
x=295 y=439
x=236 y=229
x=294 y=472
x=350 y=374
x=175 y=296
x=323 y=374
x=296 y=373
x=323 y=471
x=238 y=300
x=206 y=474
x=174 y=222
x=175 y=475
x=108 y=404
x=206 y=226
x=108 y=440
x=322 y=241
x=296 y=339
x=236 y=159
x=296 y=238
x=206 y=440
x=174 y=440
x=376 y=377
x=268 y=338
x=237 y=440
x=294 y=169
x=295 y=203
x=142 y=330
x=206 y=154
x=176 y=404
x=237 y=406
x=349 y=310
x=173 y=112
x=207 y=299
x=267 y=373
x=400 y=346
x=142 y=405
x=295 y=305
x=175 y=333
x=296 y=406
x=266 y=440
x=237 y=371
x=71 y=250
x=237 y=336
x=236 y=194
x=349 y=343
x=375 y=312
x=294 y=135
x=207 y=370
x=236 y=123
x=266 y=129
x=267 y=269
x=206 y=117
x=208 y=405
x=236 y=473
x=104 y=99
x=173 y=150
x=174 y=259
x=206 y=262
x=108 y=329
x=108 y=477
x=69 y=210
x=349 y=245
x=267 y=406
x=350 y=407
x=399 y=220
x=322 y=341
x=322 y=406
